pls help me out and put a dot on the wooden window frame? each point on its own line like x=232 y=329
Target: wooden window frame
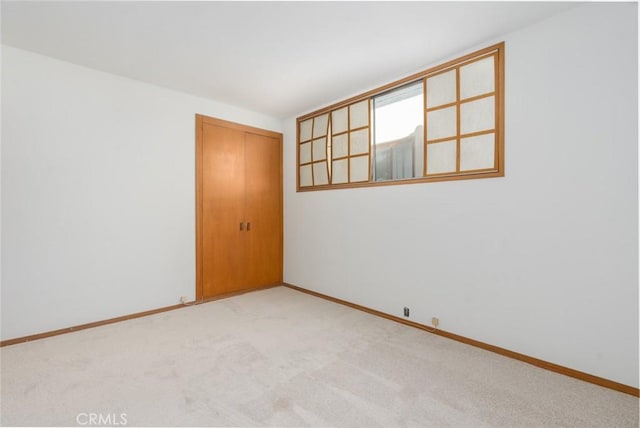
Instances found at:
x=497 y=51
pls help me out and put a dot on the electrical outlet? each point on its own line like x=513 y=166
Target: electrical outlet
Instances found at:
x=435 y=321
x=183 y=300
x=406 y=312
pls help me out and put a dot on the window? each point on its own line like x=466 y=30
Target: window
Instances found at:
x=445 y=123
x=398 y=133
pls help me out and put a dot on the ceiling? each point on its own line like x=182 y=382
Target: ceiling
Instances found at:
x=277 y=58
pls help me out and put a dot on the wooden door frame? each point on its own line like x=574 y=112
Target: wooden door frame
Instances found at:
x=201 y=120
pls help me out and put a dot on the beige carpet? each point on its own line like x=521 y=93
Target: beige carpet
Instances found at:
x=279 y=357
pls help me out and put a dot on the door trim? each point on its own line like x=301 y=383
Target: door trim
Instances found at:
x=201 y=120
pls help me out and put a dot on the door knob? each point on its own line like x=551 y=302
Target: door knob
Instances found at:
x=241 y=226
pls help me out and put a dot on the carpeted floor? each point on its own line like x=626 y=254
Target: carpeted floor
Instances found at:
x=279 y=357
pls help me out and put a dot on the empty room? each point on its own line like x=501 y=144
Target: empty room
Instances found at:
x=324 y=214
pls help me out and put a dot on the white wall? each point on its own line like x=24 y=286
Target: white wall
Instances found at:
x=98 y=193
x=543 y=261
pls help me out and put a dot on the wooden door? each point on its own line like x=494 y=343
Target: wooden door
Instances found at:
x=223 y=209
x=238 y=207
x=264 y=209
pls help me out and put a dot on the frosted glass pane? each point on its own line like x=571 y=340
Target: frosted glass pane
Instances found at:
x=359 y=114
x=339 y=121
x=441 y=123
x=305 y=176
x=441 y=89
x=359 y=142
x=305 y=130
x=477 y=152
x=320 y=125
x=477 y=78
x=441 y=157
x=305 y=153
x=340 y=146
x=359 y=168
x=319 y=149
x=320 y=174
x=477 y=115
x=340 y=172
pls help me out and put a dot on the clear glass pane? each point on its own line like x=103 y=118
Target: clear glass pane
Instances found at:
x=339 y=120
x=319 y=149
x=478 y=115
x=359 y=168
x=305 y=153
x=441 y=123
x=441 y=157
x=359 y=114
x=305 y=176
x=398 y=132
x=340 y=146
x=441 y=89
x=340 y=173
x=320 y=125
x=477 y=152
x=320 y=174
x=477 y=78
x=305 y=130
x=359 y=141
x=383 y=163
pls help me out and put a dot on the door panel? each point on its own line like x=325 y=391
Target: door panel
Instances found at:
x=264 y=209
x=223 y=208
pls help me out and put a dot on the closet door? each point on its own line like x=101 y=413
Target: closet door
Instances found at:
x=223 y=210
x=238 y=207
x=264 y=209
